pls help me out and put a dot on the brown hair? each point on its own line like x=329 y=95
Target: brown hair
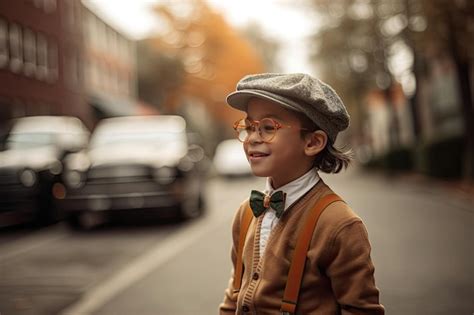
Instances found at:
x=330 y=159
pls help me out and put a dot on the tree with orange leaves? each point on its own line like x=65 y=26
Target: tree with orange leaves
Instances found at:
x=212 y=58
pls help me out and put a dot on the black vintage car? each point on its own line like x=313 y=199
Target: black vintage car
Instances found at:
x=32 y=164
x=140 y=166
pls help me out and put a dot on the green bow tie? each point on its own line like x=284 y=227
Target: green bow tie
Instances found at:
x=259 y=202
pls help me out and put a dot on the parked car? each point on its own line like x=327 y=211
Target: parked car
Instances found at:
x=32 y=164
x=230 y=159
x=138 y=165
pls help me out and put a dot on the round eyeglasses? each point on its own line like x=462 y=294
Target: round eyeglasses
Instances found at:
x=267 y=129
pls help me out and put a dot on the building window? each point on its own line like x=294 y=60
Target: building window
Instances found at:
x=101 y=35
x=80 y=61
x=77 y=13
x=87 y=28
x=108 y=78
x=124 y=50
x=53 y=63
x=92 y=77
x=92 y=33
x=69 y=13
x=87 y=73
x=112 y=41
x=103 y=76
x=125 y=90
x=72 y=69
x=3 y=43
x=16 y=48
x=131 y=52
x=115 y=80
x=42 y=57
x=29 y=45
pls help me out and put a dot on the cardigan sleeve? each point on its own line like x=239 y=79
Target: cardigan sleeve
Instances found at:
x=351 y=270
x=229 y=304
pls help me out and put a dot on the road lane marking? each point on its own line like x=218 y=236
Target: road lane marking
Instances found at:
x=162 y=253
x=30 y=242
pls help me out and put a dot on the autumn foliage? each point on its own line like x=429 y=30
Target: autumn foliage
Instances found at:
x=213 y=56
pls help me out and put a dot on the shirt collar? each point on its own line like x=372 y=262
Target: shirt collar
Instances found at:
x=297 y=188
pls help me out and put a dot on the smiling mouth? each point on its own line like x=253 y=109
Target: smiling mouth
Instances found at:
x=258 y=155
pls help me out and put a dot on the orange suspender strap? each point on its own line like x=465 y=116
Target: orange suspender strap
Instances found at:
x=295 y=275
x=239 y=266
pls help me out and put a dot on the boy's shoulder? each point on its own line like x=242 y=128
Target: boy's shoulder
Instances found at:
x=338 y=222
x=336 y=215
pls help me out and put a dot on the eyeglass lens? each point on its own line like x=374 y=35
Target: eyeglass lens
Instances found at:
x=266 y=129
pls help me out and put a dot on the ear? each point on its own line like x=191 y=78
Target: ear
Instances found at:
x=315 y=142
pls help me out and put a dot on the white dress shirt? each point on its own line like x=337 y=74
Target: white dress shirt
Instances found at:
x=294 y=190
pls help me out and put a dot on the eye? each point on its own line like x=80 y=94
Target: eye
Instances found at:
x=268 y=125
x=269 y=128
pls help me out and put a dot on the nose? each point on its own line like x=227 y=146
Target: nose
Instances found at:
x=254 y=137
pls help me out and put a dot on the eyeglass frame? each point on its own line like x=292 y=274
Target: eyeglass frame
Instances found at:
x=256 y=124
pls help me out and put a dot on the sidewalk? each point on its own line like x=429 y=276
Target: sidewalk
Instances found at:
x=456 y=188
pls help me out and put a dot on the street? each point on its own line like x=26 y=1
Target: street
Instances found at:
x=422 y=246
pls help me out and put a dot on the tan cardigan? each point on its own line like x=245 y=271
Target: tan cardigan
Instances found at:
x=339 y=274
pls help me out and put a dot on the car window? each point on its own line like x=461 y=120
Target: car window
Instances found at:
x=153 y=138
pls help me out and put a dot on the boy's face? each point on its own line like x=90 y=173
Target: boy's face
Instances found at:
x=284 y=158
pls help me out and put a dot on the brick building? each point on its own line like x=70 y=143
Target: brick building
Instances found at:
x=110 y=82
x=41 y=59
x=57 y=57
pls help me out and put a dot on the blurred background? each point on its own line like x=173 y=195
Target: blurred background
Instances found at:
x=114 y=110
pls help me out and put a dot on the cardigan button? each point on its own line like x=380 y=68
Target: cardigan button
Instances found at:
x=245 y=308
x=255 y=276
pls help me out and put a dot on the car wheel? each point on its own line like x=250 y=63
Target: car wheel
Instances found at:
x=85 y=221
x=73 y=222
x=47 y=212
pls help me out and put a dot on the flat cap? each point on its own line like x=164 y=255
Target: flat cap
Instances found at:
x=298 y=92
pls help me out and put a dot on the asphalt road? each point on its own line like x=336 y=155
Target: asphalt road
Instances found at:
x=422 y=237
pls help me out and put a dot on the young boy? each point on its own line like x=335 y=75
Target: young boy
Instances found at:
x=288 y=135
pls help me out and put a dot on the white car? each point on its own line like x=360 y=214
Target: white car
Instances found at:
x=136 y=166
x=230 y=159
